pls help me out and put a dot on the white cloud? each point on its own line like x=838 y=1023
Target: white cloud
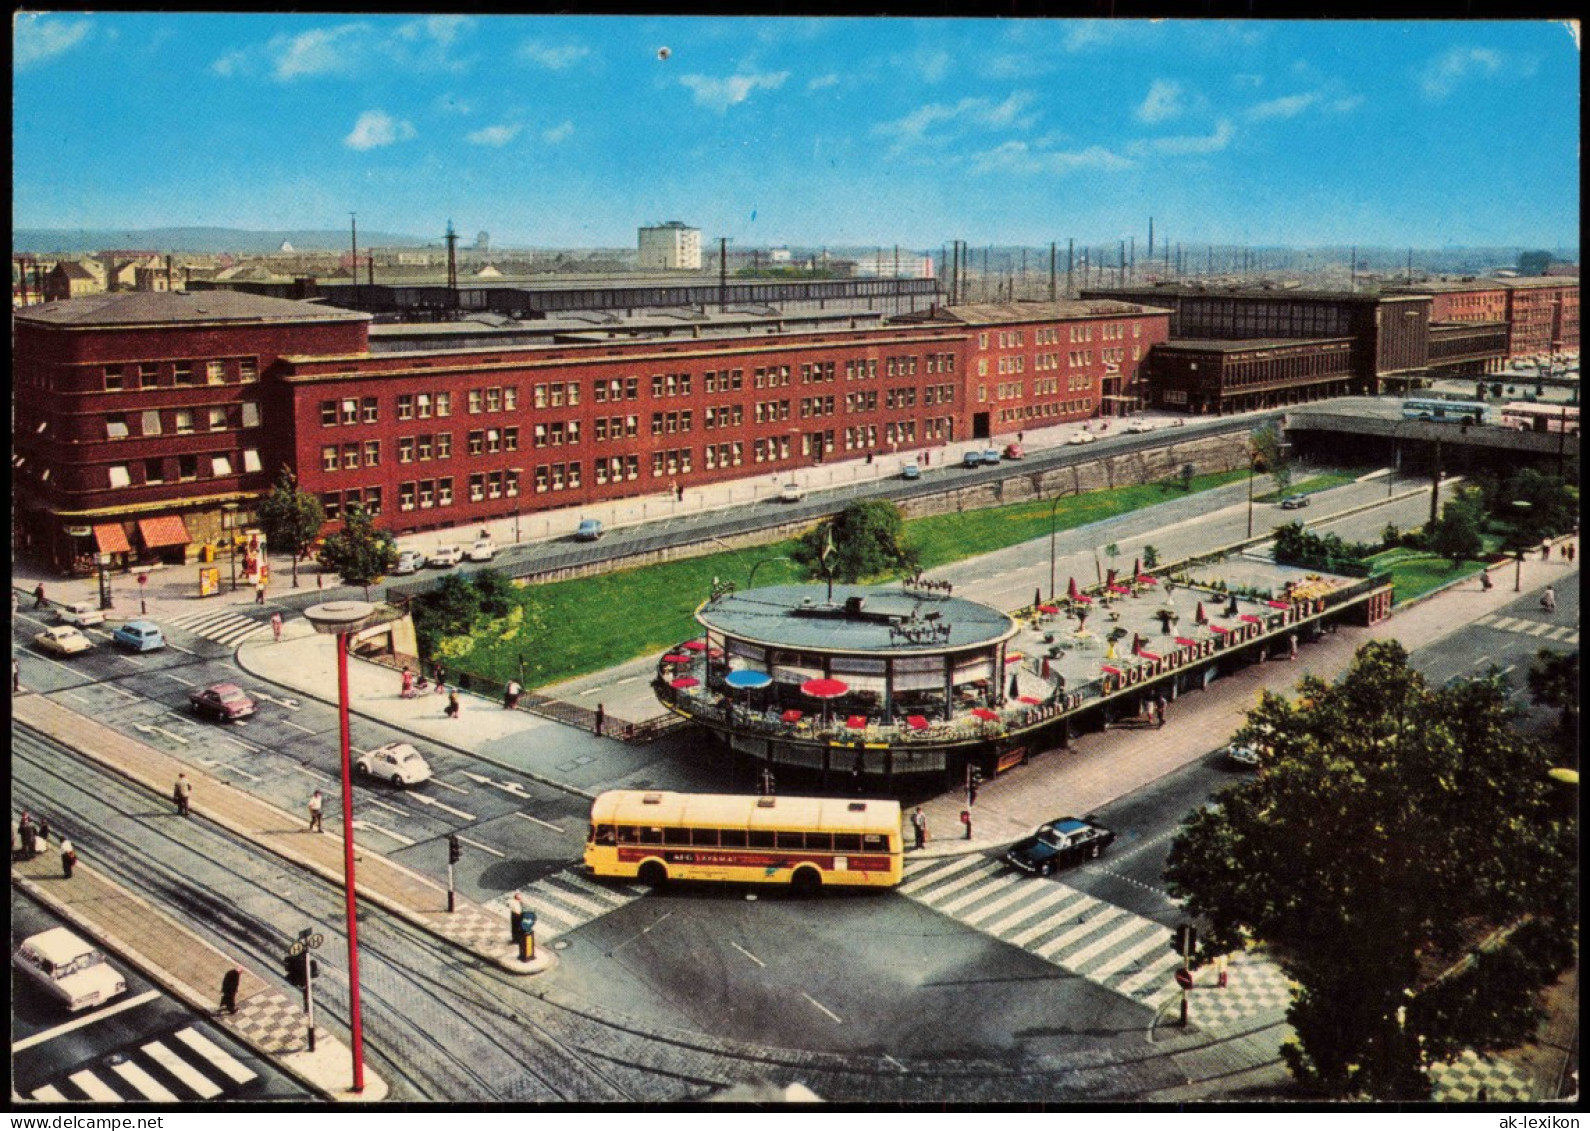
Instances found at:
x=322 y=51
x=1163 y=103
x=967 y=114
x=1019 y=157
x=554 y=57
x=1183 y=146
x=823 y=82
x=1348 y=104
x=349 y=49
x=1090 y=33
x=35 y=38
x=493 y=135
x=375 y=129
x=932 y=66
x=232 y=63
x=442 y=30
x=720 y=94
x=560 y=132
x=1288 y=107
x=1442 y=75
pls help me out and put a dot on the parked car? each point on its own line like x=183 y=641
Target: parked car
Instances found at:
x=990 y=456
x=791 y=493
x=1294 y=502
x=483 y=550
x=1242 y=757
x=1057 y=844
x=1015 y=451
x=589 y=530
x=397 y=762
x=409 y=561
x=1138 y=424
x=80 y=613
x=910 y=470
x=63 y=640
x=445 y=557
x=972 y=457
x=140 y=636
x=221 y=701
x=68 y=969
x=1083 y=437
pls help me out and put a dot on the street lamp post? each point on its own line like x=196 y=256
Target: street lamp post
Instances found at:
x=1053 y=504
x=229 y=526
x=341 y=619
x=1252 y=464
x=1520 y=508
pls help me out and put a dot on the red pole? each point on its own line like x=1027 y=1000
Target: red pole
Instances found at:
x=347 y=866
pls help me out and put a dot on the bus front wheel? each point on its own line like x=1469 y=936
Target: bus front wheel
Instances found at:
x=806 y=881
x=653 y=874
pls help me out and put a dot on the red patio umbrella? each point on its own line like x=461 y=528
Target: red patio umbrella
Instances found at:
x=685 y=681
x=677 y=658
x=1071 y=589
x=695 y=645
x=1200 y=616
x=1013 y=657
x=825 y=689
x=1109 y=579
x=792 y=716
x=917 y=722
x=985 y=714
x=1119 y=589
x=1049 y=610
x=856 y=722
x=1146 y=579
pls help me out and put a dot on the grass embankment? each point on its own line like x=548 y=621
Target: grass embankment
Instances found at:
x=596 y=622
x=1312 y=485
x=1416 y=572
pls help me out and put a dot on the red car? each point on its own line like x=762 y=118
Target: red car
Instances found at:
x=223 y=702
x=1014 y=451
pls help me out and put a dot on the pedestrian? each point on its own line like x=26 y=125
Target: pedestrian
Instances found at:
x=1545 y=551
x=438 y=674
x=316 y=805
x=38 y=596
x=451 y=711
x=510 y=695
x=1015 y=686
x=43 y=835
x=1567 y=552
x=16 y=676
x=230 y=981
x=1548 y=600
x=407 y=691
x=1220 y=968
x=182 y=794
x=26 y=834
x=966 y=819
x=919 y=825
x=68 y=858
x=1485 y=580
x=516 y=917
x=601 y=719
x=1291 y=646
x=259 y=591
x=276 y=626
x=1159 y=708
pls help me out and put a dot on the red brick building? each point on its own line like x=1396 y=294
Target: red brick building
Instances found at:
x=139 y=416
x=1541 y=314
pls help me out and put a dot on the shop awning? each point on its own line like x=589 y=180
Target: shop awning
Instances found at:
x=112 y=539
x=167 y=530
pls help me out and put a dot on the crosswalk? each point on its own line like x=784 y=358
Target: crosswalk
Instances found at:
x=1105 y=944
x=181 y=1067
x=221 y=625
x=565 y=901
x=1565 y=633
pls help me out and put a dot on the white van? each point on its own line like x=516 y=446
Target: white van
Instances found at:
x=68 y=969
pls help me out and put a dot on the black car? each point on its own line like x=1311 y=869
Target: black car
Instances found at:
x=1058 y=844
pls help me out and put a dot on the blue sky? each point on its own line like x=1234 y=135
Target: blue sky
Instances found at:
x=573 y=131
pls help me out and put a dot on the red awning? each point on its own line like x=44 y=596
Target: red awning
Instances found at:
x=1217 y=628
x=1119 y=589
x=1033 y=699
x=1251 y=619
x=1185 y=642
x=985 y=714
x=167 y=530
x=1110 y=670
x=1147 y=655
x=1278 y=604
x=1048 y=610
x=112 y=539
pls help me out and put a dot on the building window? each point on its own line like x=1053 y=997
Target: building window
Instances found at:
x=494 y=441
x=494 y=398
x=217 y=420
x=423 y=404
x=510 y=398
x=372 y=501
x=250 y=414
x=112 y=378
x=511 y=484
x=372 y=453
x=119 y=475
x=215 y=372
x=220 y=465
x=154 y=471
x=405 y=449
x=251 y=459
x=187 y=467
x=350 y=457
x=371 y=408
x=116 y=426
x=328 y=458
x=328 y=413
x=444 y=445
x=152 y=422
x=148 y=376
x=444 y=404
x=405 y=496
x=477 y=488
x=444 y=492
x=248 y=369
x=425 y=446
x=510 y=439
x=182 y=372
x=331 y=503
x=405 y=406
x=427 y=494
x=494 y=481
x=477 y=441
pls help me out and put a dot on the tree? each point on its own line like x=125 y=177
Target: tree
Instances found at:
x=291 y=518
x=1399 y=853
x=359 y=553
x=1554 y=682
x=1456 y=534
x=1268 y=454
x=495 y=592
x=1150 y=556
x=1187 y=474
x=1553 y=504
x=865 y=540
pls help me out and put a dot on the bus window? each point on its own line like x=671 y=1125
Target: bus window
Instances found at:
x=761 y=838
x=628 y=834
x=704 y=838
x=820 y=842
x=651 y=834
x=732 y=838
x=847 y=842
x=874 y=842
x=676 y=836
x=603 y=834
x=791 y=840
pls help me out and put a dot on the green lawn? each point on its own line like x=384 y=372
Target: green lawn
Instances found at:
x=1312 y=485
x=596 y=622
x=1415 y=572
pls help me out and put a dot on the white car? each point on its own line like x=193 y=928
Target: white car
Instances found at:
x=81 y=613
x=63 y=640
x=1139 y=425
x=396 y=762
x=791 y=493
x=482 y=551
x=1081 y=438
x=408 y=562
x=68 y=969
x=445 y=557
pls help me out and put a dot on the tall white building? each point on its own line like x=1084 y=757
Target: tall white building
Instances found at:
x=670 y=247
x=909 y=265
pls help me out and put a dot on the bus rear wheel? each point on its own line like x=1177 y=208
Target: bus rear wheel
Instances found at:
x=653 y=874
x=806 y=881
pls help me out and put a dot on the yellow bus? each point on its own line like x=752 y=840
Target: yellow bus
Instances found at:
x=806 y=842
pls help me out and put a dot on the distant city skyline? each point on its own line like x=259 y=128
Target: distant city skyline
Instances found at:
x=575 y=131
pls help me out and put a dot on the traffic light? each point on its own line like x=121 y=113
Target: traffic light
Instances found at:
x=455 y=851
x=297 y=967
